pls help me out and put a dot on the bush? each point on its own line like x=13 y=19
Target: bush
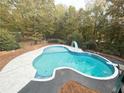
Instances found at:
x=75 y=36
x=36 y=37
x=7 y=41
x=56 y=41
x=89 y=45
x=18 y=36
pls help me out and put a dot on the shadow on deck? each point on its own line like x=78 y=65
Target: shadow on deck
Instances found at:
x=65 y=75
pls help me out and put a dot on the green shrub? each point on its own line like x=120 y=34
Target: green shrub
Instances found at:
x=56 y=41
x=75 y=36
x=18 y=36
x=7 y=41
x=89 y=45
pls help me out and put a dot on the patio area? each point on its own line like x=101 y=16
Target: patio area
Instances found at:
x=66 y=75
x=18 y=76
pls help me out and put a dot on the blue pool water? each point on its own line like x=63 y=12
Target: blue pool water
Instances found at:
x=59 y=56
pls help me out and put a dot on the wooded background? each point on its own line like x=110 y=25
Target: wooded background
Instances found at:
x=98 y=27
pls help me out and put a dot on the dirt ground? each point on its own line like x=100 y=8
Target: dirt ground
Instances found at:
x=7 y=56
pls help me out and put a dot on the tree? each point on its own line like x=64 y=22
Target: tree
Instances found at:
x=69 y=24
x=28 y=17
x=99 y=26
x=115 y=32
x=7 y=41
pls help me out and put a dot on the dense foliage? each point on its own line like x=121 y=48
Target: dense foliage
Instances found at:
x=7 y=40
x=99 y=26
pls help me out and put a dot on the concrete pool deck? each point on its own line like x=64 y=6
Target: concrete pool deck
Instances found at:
x=20 y=72
x=65 y=75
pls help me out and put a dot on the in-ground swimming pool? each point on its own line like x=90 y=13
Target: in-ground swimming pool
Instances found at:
x=88 y=64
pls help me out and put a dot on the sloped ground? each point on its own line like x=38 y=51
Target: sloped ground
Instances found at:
x=19 y=71
x=7 y=56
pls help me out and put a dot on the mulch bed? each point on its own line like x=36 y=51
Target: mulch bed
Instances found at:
x=74 y=87
x=7 y=56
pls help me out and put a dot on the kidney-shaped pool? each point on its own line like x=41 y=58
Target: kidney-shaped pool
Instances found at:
x=62 y=57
